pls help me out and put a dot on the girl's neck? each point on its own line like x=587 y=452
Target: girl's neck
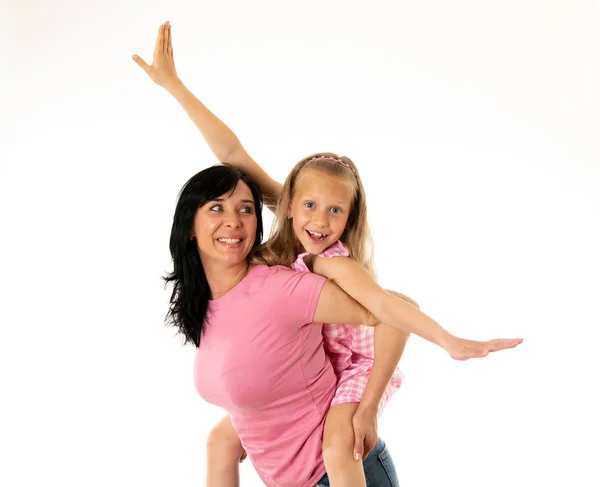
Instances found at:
x=222 y=279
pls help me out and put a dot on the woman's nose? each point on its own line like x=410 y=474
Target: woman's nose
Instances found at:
x=232 y=220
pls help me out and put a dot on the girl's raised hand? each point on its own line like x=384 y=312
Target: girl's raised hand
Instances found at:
x=162 y=70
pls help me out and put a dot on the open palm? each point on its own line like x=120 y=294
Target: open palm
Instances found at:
x=162 y=70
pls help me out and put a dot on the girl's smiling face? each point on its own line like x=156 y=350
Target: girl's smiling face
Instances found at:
x=320 y=209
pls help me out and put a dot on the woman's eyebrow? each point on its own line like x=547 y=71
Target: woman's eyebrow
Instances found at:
x=242 y=201
x=220 y=200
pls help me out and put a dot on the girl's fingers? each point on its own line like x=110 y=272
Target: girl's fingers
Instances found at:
x=141 y=63
x=503 y=343
x=159 y=41
x=169 y=48
x=165 y=37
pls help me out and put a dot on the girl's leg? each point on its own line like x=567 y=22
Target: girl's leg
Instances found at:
x=224 y=452
x=338 y=448
x=379 y=467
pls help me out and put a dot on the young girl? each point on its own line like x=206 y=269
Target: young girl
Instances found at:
x=321 y=215
x=320 y=226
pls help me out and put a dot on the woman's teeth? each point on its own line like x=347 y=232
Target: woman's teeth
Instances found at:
x=230 y=240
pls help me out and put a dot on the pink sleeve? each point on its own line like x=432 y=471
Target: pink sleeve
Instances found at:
x=296 y=293
x=338 y=249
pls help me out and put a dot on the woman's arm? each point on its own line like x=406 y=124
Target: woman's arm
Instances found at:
x=358 y=283
x=389 y=347
x=220 y=138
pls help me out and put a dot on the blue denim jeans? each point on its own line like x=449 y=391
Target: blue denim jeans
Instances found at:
x=379 y=468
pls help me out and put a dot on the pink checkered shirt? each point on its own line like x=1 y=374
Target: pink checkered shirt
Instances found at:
x=351 y=349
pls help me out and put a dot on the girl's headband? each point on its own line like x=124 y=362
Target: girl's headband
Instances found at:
x=332 y=159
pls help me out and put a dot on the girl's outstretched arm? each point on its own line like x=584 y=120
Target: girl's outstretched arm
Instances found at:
x=220 y=138
x=391 y=310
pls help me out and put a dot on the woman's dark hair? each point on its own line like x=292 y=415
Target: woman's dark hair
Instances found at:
x=191 y=293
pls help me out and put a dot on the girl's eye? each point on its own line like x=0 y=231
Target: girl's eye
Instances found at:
x=216 y=208
x=247 y=210
x=309 y=204
x=336 y=210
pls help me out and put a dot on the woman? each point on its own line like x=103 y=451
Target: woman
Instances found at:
x=260 y=353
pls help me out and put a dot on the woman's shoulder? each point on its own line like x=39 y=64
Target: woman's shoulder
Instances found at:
x=280 y=280
x=262 y=271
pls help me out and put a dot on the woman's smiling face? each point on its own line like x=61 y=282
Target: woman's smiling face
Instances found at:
x=225 y=228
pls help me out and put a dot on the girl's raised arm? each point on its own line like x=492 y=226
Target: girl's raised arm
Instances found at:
x=220 y=138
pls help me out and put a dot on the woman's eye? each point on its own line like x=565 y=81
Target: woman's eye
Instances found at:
x=246 y=209
x=216 y=208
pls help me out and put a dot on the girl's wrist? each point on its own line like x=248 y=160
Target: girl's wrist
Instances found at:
x=174 y=86
x=445 y=340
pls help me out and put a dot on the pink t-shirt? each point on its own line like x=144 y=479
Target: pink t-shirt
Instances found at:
x=262 y=360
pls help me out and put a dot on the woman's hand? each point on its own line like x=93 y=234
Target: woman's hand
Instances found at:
x=364 y=423
x=162 y=70
x=462 y=349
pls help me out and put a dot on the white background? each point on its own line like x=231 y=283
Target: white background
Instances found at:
x=472 y=124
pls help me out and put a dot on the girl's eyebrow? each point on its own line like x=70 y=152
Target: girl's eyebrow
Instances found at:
x=311 y=197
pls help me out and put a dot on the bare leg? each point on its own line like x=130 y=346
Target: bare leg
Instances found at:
x=224 y=453
x=338 y=448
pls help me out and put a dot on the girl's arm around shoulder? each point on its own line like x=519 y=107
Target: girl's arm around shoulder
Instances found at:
x=354 y=279
x=387 y=308
x=335 y=306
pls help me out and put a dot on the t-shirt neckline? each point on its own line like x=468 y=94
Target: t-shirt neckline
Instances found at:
x=234 y=289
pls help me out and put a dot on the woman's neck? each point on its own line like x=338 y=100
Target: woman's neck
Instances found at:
x=222 y=279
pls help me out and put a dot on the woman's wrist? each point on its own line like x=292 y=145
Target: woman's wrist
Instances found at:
x=367 y=406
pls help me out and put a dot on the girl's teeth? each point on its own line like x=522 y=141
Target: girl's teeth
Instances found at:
x=317 y=235
x=230 y=240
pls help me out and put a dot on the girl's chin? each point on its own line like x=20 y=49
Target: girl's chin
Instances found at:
x=314 y=247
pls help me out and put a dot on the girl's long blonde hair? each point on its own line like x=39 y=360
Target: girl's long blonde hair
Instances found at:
x=284 y=247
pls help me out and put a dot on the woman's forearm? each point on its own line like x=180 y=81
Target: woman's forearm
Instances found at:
x=389 y=346
x=219 y=137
